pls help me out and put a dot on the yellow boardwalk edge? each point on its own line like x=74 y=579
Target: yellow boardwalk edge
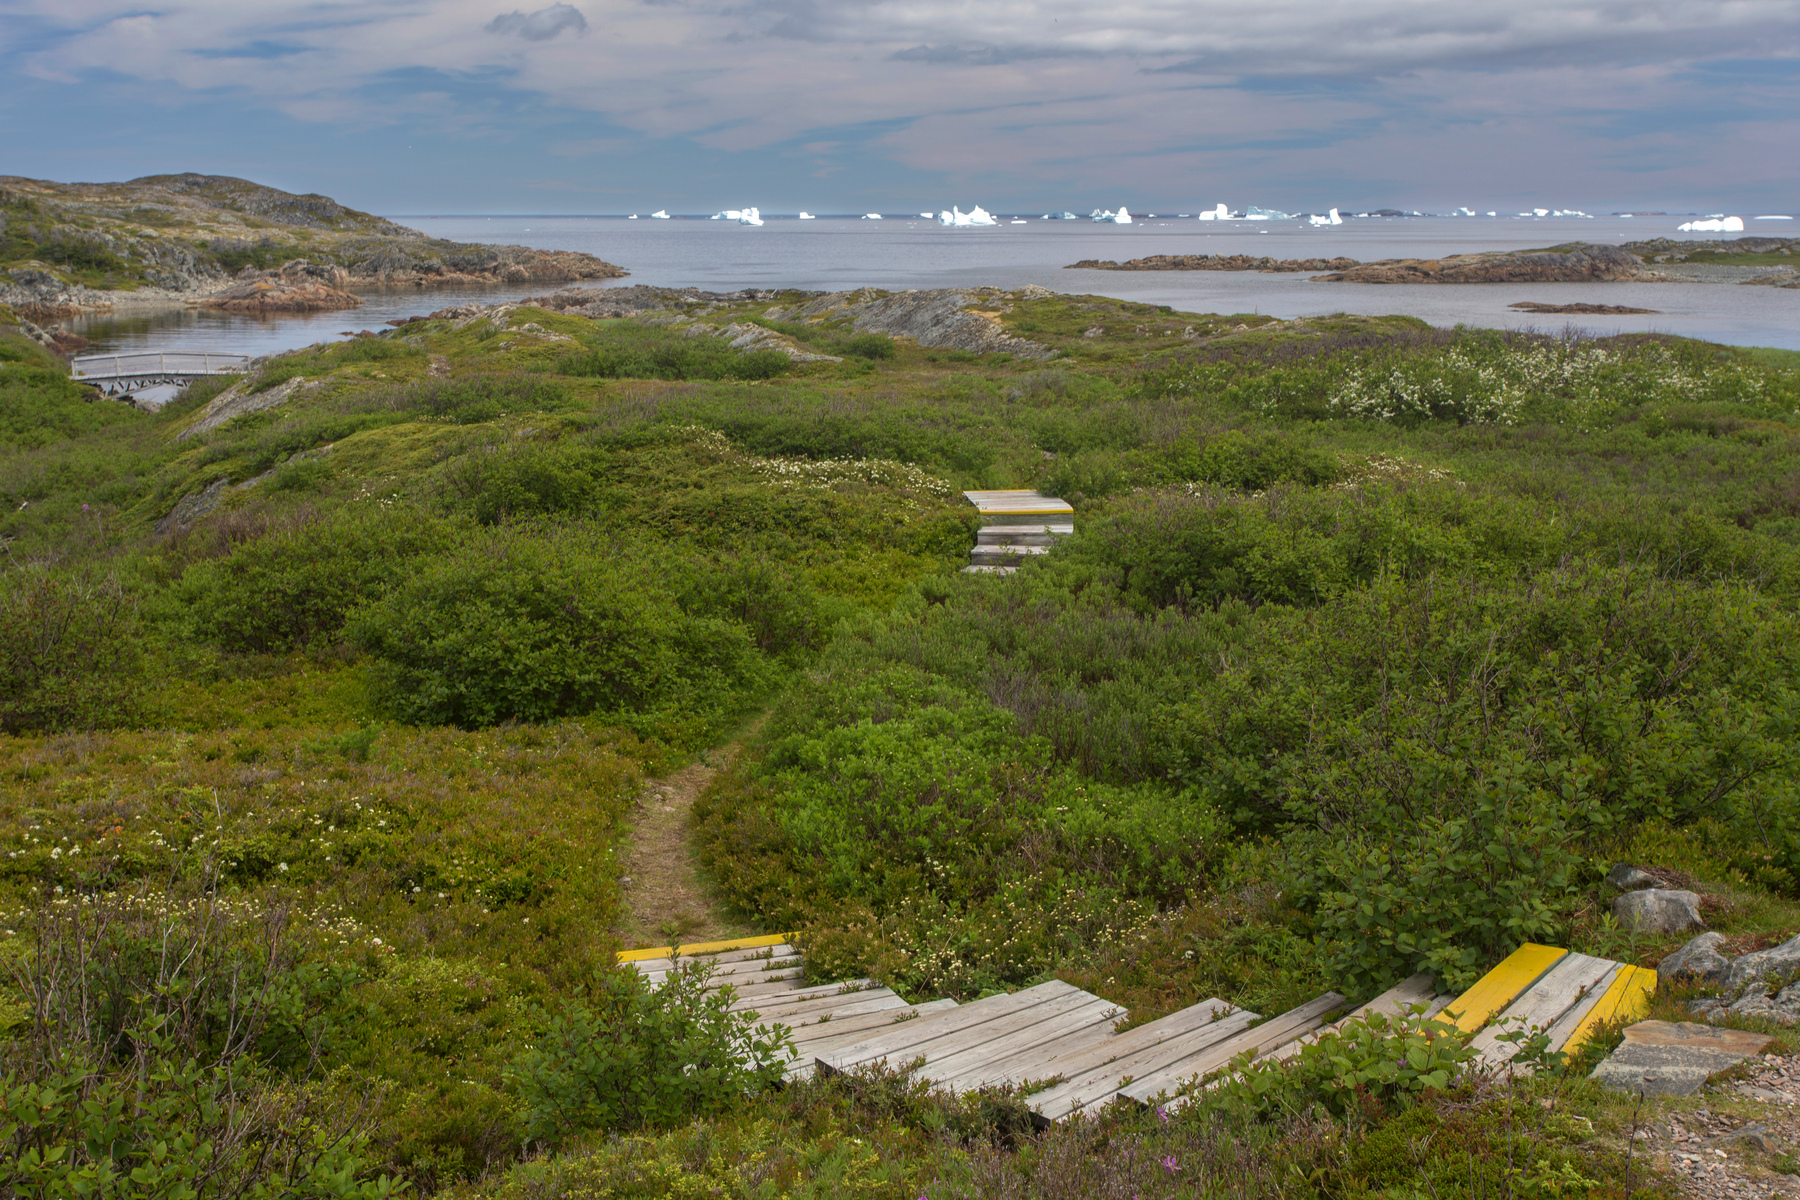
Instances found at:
x=773 y=939
x=1501 y=986
x=1626 y=1000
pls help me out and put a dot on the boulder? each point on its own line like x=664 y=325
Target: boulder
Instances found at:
x=1779 y=965
x=1628 y=878
x=1658 y=910
x=1699 y=959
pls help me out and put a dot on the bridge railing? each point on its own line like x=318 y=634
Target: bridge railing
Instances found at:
x=152 y=362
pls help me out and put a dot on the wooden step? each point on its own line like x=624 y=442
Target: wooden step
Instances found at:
x=909 y=1041
x=987 y=570
x=1401 y=998
x=1576 y=979
x=812 y=1009
x=1092 y=1077
x=1271 y=1033
x=806 y=1061
x=1473 y=1009
x=821 y=991
x=1021 y=535
x=1020 y=503
x=1000 y=556
x=981 y=1052
x=663 y=963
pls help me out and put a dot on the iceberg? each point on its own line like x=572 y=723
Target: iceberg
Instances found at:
x=1542 y=212
x=806 y=216
x=1018 y=220
x=871 y=216
x=1713 y=225
x=1330 y=218
x=632 y=217
x=1466 y=211
x=1254 y=213
x=1221 y=213
x=927 y=216
x=1771 y=218
x=1117 y=218
x=743 y=216
x=659 y=215
x=960 y=219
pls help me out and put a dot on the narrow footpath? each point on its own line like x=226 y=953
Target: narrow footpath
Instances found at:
x=666 y=899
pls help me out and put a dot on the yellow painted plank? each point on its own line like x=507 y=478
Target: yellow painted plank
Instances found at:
x=1627 y=999
x=1501 y=986
x=774 y=939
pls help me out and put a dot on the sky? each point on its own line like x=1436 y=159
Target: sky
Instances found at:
x=611 y=106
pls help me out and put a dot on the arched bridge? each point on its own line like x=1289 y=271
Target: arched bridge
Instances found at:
x=122 y=374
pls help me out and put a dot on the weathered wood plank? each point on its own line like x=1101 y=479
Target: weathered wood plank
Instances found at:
x=1401 y=998
x=1075 y=1062
x=814 y=1002
x=846 y=1026
x=901 y=1043
x=1270 y=1033
x=745 y=966
x=1500 y=986
x=1537 y=1008
x=736 y=946
x=1078 y=1020
x=1094 y=1085
x=775 y=994
x=664 y=962
x=1625 y=999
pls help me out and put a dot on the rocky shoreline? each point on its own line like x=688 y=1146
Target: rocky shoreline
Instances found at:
x=1657 y=261
x=202 y=241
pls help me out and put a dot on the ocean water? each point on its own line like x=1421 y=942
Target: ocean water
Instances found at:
x=833 y=254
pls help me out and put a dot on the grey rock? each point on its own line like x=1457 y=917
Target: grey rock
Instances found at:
x=237 y=400
x=1779 y=964
x=1659 y=1058
x=947 y=318
x=192 y=507
x=1699 y=959
x=1628 y=878
x=1658 y=910
x=1706 y=1006
x=1756 y=1003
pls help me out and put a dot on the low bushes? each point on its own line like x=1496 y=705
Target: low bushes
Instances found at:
x=71 y=653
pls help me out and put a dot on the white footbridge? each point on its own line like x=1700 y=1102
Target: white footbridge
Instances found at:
x=122 y=374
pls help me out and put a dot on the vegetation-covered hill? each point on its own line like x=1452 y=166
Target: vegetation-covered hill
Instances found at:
x=71 y=247
x=1375 y=647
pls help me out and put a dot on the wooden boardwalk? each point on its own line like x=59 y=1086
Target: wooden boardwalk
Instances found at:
x=1057 y=1034
x=118 y=374
x=1015 y=526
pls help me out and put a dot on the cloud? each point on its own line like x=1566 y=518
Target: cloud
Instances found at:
x=541 y=25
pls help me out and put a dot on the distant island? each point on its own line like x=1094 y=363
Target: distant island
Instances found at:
x=217 y=242
x=1767 y=261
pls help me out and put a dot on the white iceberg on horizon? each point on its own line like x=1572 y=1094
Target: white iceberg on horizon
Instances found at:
x=960 y=219
x=1254 y=213
x=659 y=215
x=1117 y=218
x=1220 y=213
x=871 y=216
x=1772 y=218
x=927 y=216
x=1713 y=225
x=743 y=216
x=632 y=217
x=1330 y=218
x=806 y=216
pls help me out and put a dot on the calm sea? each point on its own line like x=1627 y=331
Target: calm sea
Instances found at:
x=901 y=252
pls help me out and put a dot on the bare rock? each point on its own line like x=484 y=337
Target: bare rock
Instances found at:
x=1574 y=263
x=237 y=400
x=1628 y=878
x=1662 y=1058
x=192 y=507
x=1658 y=910
x=1699 y=959
x=1779 y=964
x=948 y=318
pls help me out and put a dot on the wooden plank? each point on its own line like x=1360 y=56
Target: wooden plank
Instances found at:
x=724 y=956
x=778 y=993
x=819 y=1015
x=693 y=948
x=1626 y=999
x=846 y=1025
x=1017 y=1034
x=1401 y=998
x=812 y=1001
x=745 y=966
x=901 y=1042
x=1189 y=1022
x=1017 y=502
x=1500 y=986
x=746 y=993
x=807 y=1062
x=1537 y=1008
x=1006 y=1059
x=1095 y=1084
x=1272 y=1032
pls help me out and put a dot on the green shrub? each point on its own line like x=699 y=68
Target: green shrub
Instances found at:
x=295 y=586
x=638 y=1055
x=517 y=624
x=1389 y=1059
x=71 y=654
x=644 y=353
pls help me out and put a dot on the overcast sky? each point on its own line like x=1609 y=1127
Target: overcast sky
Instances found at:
x=447 y=106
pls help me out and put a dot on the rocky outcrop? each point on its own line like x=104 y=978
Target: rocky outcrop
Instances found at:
x=1596 y=310
x=1578 y=263
x=947 y=318
x=192 y=507
x=298 y=286
x=639 y=299
x=745 y=336
x=173 y=240
x=58 y=341
x=1698 y=959
x=1763 y=983
x=1215 y=262
x=238 y=399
